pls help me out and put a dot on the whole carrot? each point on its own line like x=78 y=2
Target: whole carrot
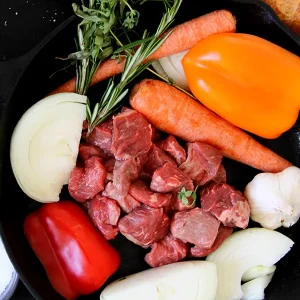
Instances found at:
x=183 y=37
x=174 y=112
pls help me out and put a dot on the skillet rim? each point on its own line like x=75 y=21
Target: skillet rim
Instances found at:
x=28 y=58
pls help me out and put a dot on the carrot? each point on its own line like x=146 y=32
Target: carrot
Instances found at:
x=188 y=34
x=183 y=37
x=107 y=69
x=174 y=112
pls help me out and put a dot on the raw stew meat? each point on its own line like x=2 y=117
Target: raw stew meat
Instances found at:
x=129 y=176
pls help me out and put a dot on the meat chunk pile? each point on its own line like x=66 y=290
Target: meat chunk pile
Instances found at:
x=128 y=178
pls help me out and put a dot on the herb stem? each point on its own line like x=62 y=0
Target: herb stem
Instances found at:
x=117 y=40
x=152 y=71
x=166 y=80
x=128 y=5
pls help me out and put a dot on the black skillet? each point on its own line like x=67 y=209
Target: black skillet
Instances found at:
x=26 y=80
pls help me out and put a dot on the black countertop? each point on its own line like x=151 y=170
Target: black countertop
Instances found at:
x=23 y=24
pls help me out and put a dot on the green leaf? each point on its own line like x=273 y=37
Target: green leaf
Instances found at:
x=188 y=193
x=184 y=200
x=95 y=112
x=88 y=111
x=184 y=194
x=122 y=7
x=98 y=40
x=95 y=53
x=105 y=53
x=84 y=15
x=132 y=19
x=133 y=44
x=89 y=33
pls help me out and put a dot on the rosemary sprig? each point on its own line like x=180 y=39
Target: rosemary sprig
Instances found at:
x=136 y=43
x=133 y=67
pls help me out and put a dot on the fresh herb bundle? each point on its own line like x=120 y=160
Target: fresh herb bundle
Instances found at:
x=133 y=67
x=100 y=19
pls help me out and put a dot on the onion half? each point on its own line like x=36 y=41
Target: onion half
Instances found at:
x=44 y=145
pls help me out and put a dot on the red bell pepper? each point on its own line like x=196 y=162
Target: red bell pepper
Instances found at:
x=77 y=259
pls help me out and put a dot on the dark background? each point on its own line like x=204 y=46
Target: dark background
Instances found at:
x=23 y=24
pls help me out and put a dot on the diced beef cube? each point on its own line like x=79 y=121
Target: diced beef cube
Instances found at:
x=85 y=183
x=220 y=176
x=105 y=214
x=86 y=205
x=195 y=226
x=223 y=234
x=126 y=171
x=156 y=159
x=145 y=176
x=85 y=125
x=84 y=129
x=203 y=162
x=228 y=205
x=109 y=165
x=111 y=191
x=155 y=134
x=169 y=178
x=141 y=192
x=125 y=108
x=86 y=151
x=109 y=177
x=127 y=202
x=166 y=251
x=145 y=225
x=172 y=147
x=101 y=136
x=131 y=135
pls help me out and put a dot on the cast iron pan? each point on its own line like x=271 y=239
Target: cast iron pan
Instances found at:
x=26 y=80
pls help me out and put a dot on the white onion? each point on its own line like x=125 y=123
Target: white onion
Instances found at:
x=170 y=67
x=257 y=271
x=243 y=250
x=44 y=145
x=190 y=280
x=255 y=289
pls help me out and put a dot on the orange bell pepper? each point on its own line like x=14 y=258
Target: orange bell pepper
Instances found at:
x=252 y=83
